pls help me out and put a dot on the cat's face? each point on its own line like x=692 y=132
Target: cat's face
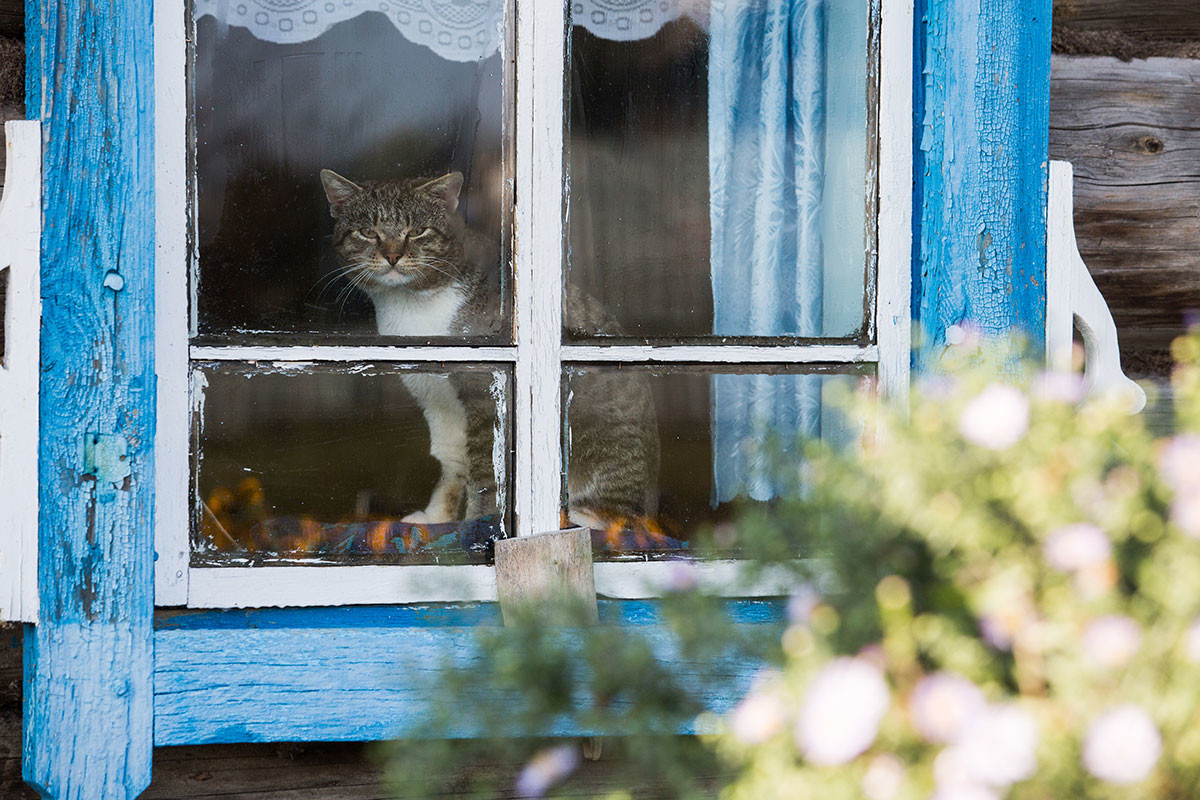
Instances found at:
x=397 y=234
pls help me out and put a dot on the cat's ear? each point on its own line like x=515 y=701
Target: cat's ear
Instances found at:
x=337 y=188
x=447 y=188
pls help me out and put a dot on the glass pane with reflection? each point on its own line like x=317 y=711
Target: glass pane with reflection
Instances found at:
x=366 y=463
x=655 y=455
x=719 y=164
x=350 y=171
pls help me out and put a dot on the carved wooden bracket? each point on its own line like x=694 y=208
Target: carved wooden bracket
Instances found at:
x=1073 y=301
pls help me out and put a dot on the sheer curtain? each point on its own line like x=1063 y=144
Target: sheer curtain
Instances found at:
x=766 y=172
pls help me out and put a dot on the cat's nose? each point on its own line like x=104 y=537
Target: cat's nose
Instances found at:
x=392 y=258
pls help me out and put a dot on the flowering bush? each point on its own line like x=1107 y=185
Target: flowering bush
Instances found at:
x=998 y=596
x=1033 y=630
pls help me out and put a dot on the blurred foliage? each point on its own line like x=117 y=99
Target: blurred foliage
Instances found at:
x=995 y=595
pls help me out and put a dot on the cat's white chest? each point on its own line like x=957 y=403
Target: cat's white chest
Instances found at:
x=417 y=313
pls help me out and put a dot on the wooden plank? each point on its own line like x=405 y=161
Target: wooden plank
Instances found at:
x=12 y=18
x=982 y=111
x=20 y=312
x=1162 y=19
x=549 y=571
x=88 y=699
x=1130 y=131
x=358 y=674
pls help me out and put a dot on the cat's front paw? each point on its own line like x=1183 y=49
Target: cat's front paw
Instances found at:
x=417 y=518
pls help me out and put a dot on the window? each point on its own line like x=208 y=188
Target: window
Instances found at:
x=429 y=275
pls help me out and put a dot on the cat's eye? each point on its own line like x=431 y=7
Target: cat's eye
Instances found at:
x=368 y=233
x=418 y=233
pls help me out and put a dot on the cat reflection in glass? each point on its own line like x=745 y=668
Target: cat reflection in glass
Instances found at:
x=406 y=246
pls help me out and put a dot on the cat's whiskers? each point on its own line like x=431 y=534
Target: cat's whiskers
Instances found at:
x=329 y=279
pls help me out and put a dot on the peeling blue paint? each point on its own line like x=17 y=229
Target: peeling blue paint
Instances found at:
x=982 y=117
x=88 y=715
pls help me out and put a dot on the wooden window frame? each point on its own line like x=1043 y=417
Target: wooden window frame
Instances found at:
x=537 y=356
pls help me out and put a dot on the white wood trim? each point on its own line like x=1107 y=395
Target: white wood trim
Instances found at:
x=310 y=586
x=171 y=317
x=893 y=314
x=541 y=53
x=723 y=354
x=267 y=587
x=1073 y=300
x=355 y=354
x=20 y=253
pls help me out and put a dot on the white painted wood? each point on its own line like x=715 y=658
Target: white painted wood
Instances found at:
x=541 y=32
x=311 y=586
x=1073 y=301
x=893 y=312
x=266 y=587
x=326 y=353
x=171 y=319
x=20 y=253
x=723 y=354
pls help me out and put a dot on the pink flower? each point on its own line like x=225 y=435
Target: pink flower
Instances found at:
x=1112 y=640
x=1179 y=461
x=546 y=769
x=1122 y=745
x=801 y=604
x=997 y=748
x=996 y=418
x=841 y=712
x=1076 y=547
x=1061 y=387
x=1185 y=512
x=758 y=717
x=942 y=704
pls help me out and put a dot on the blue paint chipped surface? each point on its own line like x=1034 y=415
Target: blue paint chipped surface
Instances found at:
x=982 y=84
x=88 y=698
x=360 y=674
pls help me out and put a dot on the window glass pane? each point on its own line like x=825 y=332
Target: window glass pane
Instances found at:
x=655 y=454
x=388 y=99
x=719 y=169
x=377 y=463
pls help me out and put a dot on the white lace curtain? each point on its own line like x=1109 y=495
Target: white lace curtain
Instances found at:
x=457 y=30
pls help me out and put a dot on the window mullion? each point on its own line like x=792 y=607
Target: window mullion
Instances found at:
x=539 y=237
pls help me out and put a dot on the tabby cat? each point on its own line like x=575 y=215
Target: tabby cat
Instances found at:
x=405 y=245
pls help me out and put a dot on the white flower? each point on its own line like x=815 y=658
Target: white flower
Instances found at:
x=883 y=778
x=997 y=748
x=1061 y=387
x=757 y=718
x=841 y=712
x=801 y=604
x=1122 y=745
x=682 y=576
x=1179 y=461
x=1078 y=546
x=1191 y=641
x=546 y=769
x=965 y=792
x=1112 y=640
x=1185 y=512
x=942 y=704
x=996 y=418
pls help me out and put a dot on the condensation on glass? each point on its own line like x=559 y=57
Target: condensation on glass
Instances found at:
x=333 y=463
x=720 y=175
x=374 y=92
x=696 y=444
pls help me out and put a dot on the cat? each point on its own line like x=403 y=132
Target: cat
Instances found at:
x=428 y=275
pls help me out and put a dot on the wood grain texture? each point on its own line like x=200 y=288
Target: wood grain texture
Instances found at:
x=1163 y=19
x=12 y=18
x=356 y=674
x=550 y=571
x=1130 y=130
x=980 y=206
x=88 y=700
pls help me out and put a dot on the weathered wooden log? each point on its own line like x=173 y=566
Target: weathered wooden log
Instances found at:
x=1130 y=130
x=1161 y=19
